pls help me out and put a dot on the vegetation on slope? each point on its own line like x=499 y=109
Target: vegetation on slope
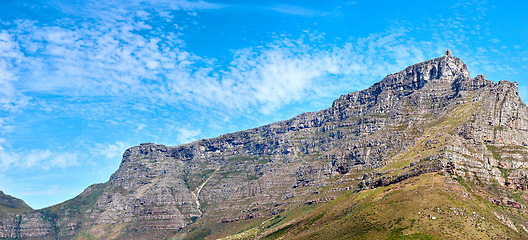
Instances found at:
x=12 y=204
x=430 y=206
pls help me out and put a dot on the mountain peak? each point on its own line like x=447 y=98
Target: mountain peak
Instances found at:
x=449 y=53
x=442 y=74
x=439 y=71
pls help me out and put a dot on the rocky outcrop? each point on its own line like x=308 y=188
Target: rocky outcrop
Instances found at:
x=432 y=116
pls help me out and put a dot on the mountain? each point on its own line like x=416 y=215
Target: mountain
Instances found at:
x=10 y=210
x=426 y=153
x=11 y=204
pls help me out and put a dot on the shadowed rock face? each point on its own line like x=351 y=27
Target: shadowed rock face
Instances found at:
x=466 y=127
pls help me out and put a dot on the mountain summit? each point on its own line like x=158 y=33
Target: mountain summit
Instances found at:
x=426 y=153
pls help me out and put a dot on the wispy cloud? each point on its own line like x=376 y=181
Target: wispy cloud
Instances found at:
x=296 y=10
x=10 y=56
x=116 y=10
x=47 y=159
x=186 y=135
x=116 y=61
x=35 y=158
x=109 y=151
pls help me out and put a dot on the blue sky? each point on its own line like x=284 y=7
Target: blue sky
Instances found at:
x=83 y=80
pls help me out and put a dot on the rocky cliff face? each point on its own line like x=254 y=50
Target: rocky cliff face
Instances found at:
x=430 y=117
x=11 y=210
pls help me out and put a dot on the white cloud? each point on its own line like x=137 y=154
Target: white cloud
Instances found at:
x=58 y=158
x=10 y=55
x=186 y=135
x=296 y=10
x=36 y=158
x=4 y=125
x=112 y=59
x=7 y=158
x=116 y=10
x=110 y=150
x=45 y=159
x=64 y=160
x=115 y=61
x=288 y=71
x=140 y=126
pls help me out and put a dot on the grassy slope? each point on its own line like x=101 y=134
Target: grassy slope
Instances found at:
x=9 y=204
x=429 y=206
